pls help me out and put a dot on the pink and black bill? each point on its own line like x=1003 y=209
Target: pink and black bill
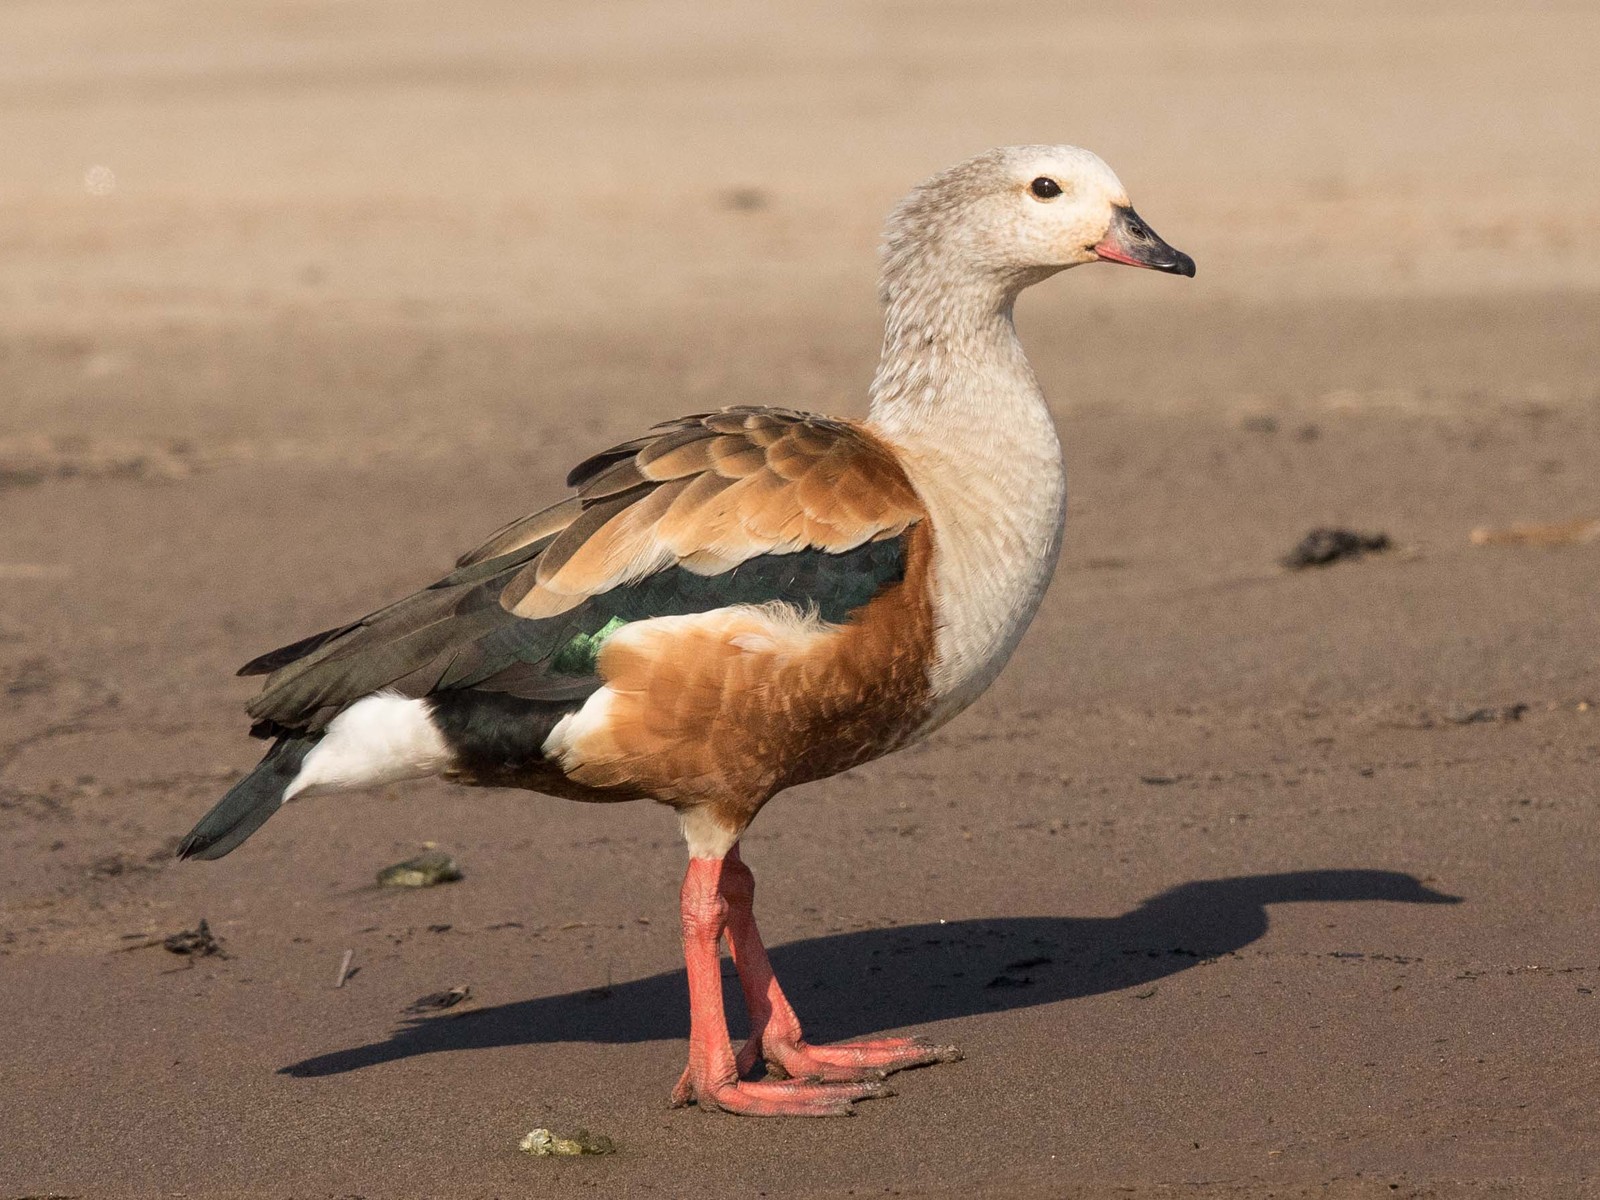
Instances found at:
x=1131 y=241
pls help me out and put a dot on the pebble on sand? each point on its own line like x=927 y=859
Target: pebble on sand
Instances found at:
x=425 y=870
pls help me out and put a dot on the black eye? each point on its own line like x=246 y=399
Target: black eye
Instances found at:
x=1045 y=188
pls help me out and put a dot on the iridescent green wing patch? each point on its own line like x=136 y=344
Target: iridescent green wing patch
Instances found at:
x=579 y=656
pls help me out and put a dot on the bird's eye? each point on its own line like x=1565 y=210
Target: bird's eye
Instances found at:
x=1045 y=188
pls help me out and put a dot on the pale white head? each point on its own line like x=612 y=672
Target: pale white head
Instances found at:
x=1013 y=216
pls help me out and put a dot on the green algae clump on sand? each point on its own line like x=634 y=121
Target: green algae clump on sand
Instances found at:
x=425 y=870
x=542 y=1143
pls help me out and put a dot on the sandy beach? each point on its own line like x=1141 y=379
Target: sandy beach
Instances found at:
x=1240 y=883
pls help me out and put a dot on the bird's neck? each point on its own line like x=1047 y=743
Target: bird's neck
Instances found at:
x=955 y=395
x=952 y=373
x=953 y=384
x=949 y=349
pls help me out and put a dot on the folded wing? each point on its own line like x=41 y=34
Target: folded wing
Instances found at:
x=741 y=506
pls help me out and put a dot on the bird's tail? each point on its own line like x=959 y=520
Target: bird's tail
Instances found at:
x=249 y=802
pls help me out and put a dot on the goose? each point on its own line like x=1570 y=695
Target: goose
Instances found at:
x=741 y=601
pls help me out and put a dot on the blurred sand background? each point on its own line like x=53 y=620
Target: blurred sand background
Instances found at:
x=297 y=300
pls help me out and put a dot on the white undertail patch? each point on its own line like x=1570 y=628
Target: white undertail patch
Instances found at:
x=381 y=738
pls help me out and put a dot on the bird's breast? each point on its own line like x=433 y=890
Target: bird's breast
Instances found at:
x=996 y=538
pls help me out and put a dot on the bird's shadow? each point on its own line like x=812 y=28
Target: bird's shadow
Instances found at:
x=849 y=984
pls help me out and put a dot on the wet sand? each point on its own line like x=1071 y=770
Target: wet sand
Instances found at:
x=1239 y=883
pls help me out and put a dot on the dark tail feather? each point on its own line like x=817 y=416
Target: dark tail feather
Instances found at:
x=269 y=662
x=249 y=802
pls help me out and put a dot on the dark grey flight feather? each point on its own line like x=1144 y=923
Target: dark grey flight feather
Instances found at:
x=274 y=660
x=249 y=802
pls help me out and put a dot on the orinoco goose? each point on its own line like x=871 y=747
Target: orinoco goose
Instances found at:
x=741 y=601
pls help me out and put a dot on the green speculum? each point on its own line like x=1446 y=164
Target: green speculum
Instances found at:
x=578 y=657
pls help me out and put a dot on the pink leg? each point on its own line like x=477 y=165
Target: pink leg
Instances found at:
x=711 y=1079
x=775 y=1033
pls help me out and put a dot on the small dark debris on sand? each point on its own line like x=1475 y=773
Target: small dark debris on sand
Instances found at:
x=196 y=943
x=542 y=1143
x=425 y=870
x=1323 y=546
x=439 y=1001
x=1498 y=714
x=191 y=943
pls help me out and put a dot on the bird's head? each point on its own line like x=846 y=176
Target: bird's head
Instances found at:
x=1020 y=214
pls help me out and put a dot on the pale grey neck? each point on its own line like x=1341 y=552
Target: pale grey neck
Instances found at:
x=953 y=375
x=955 y=395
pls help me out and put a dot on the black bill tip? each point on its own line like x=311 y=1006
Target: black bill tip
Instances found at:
x=1181 y=264
x=1131 y=242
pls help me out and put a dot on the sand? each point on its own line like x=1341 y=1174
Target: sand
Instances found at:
x=1239 y=883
